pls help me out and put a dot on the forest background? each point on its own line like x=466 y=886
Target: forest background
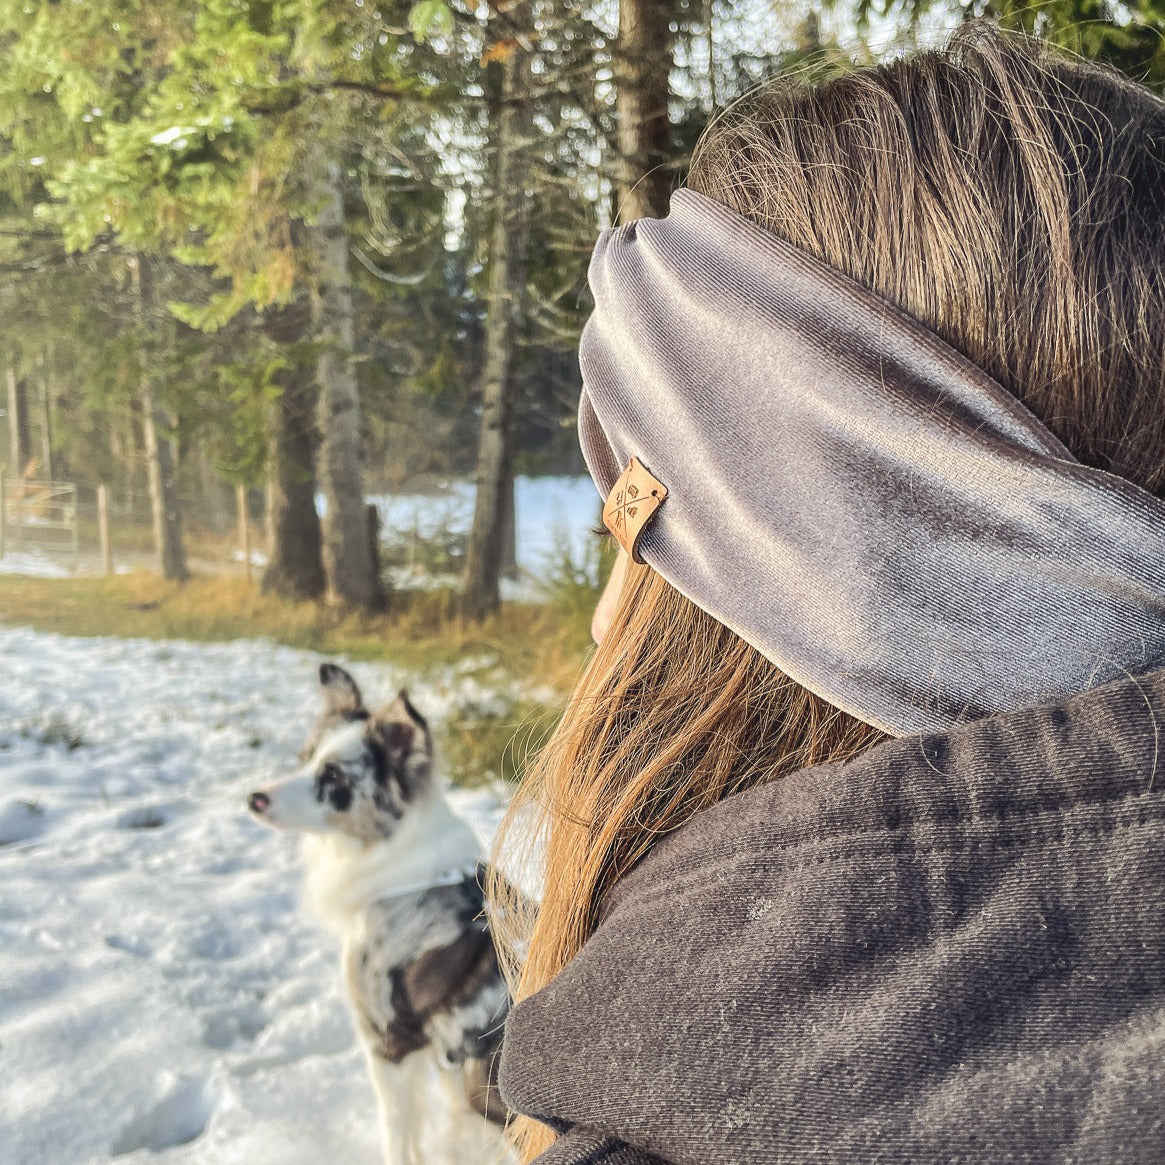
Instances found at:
x=325 y=248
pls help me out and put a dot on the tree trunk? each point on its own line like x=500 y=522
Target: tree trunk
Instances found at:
x=509 y=555
x=295 y=567
x=710 y=39
x=643 y=61
x=24 y=422
x=17 y=430
x=507 y=280
x=351 y=576
x=213 y=509
x=164 y=509
x=45 y=419
x=134 y=455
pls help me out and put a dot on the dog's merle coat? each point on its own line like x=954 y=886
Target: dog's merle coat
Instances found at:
x=451 y=996
x=399 y=874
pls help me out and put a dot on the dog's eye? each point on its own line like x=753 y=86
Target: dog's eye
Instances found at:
x=329 y=775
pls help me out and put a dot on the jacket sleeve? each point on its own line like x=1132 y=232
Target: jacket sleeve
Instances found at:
x=581 y=1147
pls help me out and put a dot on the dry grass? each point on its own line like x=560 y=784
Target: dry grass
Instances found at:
x=423 y=630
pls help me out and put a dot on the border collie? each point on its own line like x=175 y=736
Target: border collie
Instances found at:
x=396 y=873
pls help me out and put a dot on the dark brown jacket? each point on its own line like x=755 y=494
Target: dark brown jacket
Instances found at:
x=949 y=950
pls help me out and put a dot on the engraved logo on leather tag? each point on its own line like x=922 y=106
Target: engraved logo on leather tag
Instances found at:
x=631 y=504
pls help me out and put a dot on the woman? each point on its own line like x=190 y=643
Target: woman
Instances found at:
x=855 y=834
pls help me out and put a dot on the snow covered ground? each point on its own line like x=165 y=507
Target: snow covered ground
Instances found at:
x=162 y=999
x=36 y=563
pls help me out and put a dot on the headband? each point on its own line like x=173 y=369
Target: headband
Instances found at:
x=845 y=491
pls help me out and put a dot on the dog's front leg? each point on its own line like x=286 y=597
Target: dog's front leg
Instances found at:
x=397 y=1093
x=399 y=1076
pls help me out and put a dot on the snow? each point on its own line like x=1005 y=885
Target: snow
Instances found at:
x=258 y=558
x=35 y=563
x=553 y=516
x=162 y=997
x=552 y=513
x=174 y=136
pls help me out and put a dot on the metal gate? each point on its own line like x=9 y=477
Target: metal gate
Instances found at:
x=38 y=511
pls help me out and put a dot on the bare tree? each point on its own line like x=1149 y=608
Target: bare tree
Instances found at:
x=164 y=508
x=44 y=422
x=507 y=281
x=349 y=562
x=17 y=437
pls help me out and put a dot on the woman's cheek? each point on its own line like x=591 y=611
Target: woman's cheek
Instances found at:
x=605 y=608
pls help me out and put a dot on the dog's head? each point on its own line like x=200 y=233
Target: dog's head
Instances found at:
x=359 y=769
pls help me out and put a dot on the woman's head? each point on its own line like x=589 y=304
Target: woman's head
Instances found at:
x=1008 y=198
x=1011 y=201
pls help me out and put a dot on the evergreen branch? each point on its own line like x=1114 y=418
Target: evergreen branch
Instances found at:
x=387 y=276
x=29 y=233
x=291 y=96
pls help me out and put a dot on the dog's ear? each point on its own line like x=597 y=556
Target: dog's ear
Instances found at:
x=403 y=736
x=404 y=704
x=341 y=695
x=396 y=737
x=399 y=727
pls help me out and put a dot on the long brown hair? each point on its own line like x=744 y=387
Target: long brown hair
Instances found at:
x=1010 y=199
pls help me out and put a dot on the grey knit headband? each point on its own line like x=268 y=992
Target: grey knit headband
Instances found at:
x=871 y=511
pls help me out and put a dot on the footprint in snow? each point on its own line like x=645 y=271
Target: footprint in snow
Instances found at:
x=179 y=1117
x=144 y=817
x=21 y=821
x=232 y=1027
x=130 y=944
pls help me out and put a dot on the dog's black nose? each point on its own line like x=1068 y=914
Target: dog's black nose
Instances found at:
x=258 y=802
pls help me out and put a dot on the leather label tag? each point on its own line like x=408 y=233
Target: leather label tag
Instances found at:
x=632 y=503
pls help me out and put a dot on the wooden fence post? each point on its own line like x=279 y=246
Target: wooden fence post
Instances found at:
x=244 y=529
x=103 y=528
